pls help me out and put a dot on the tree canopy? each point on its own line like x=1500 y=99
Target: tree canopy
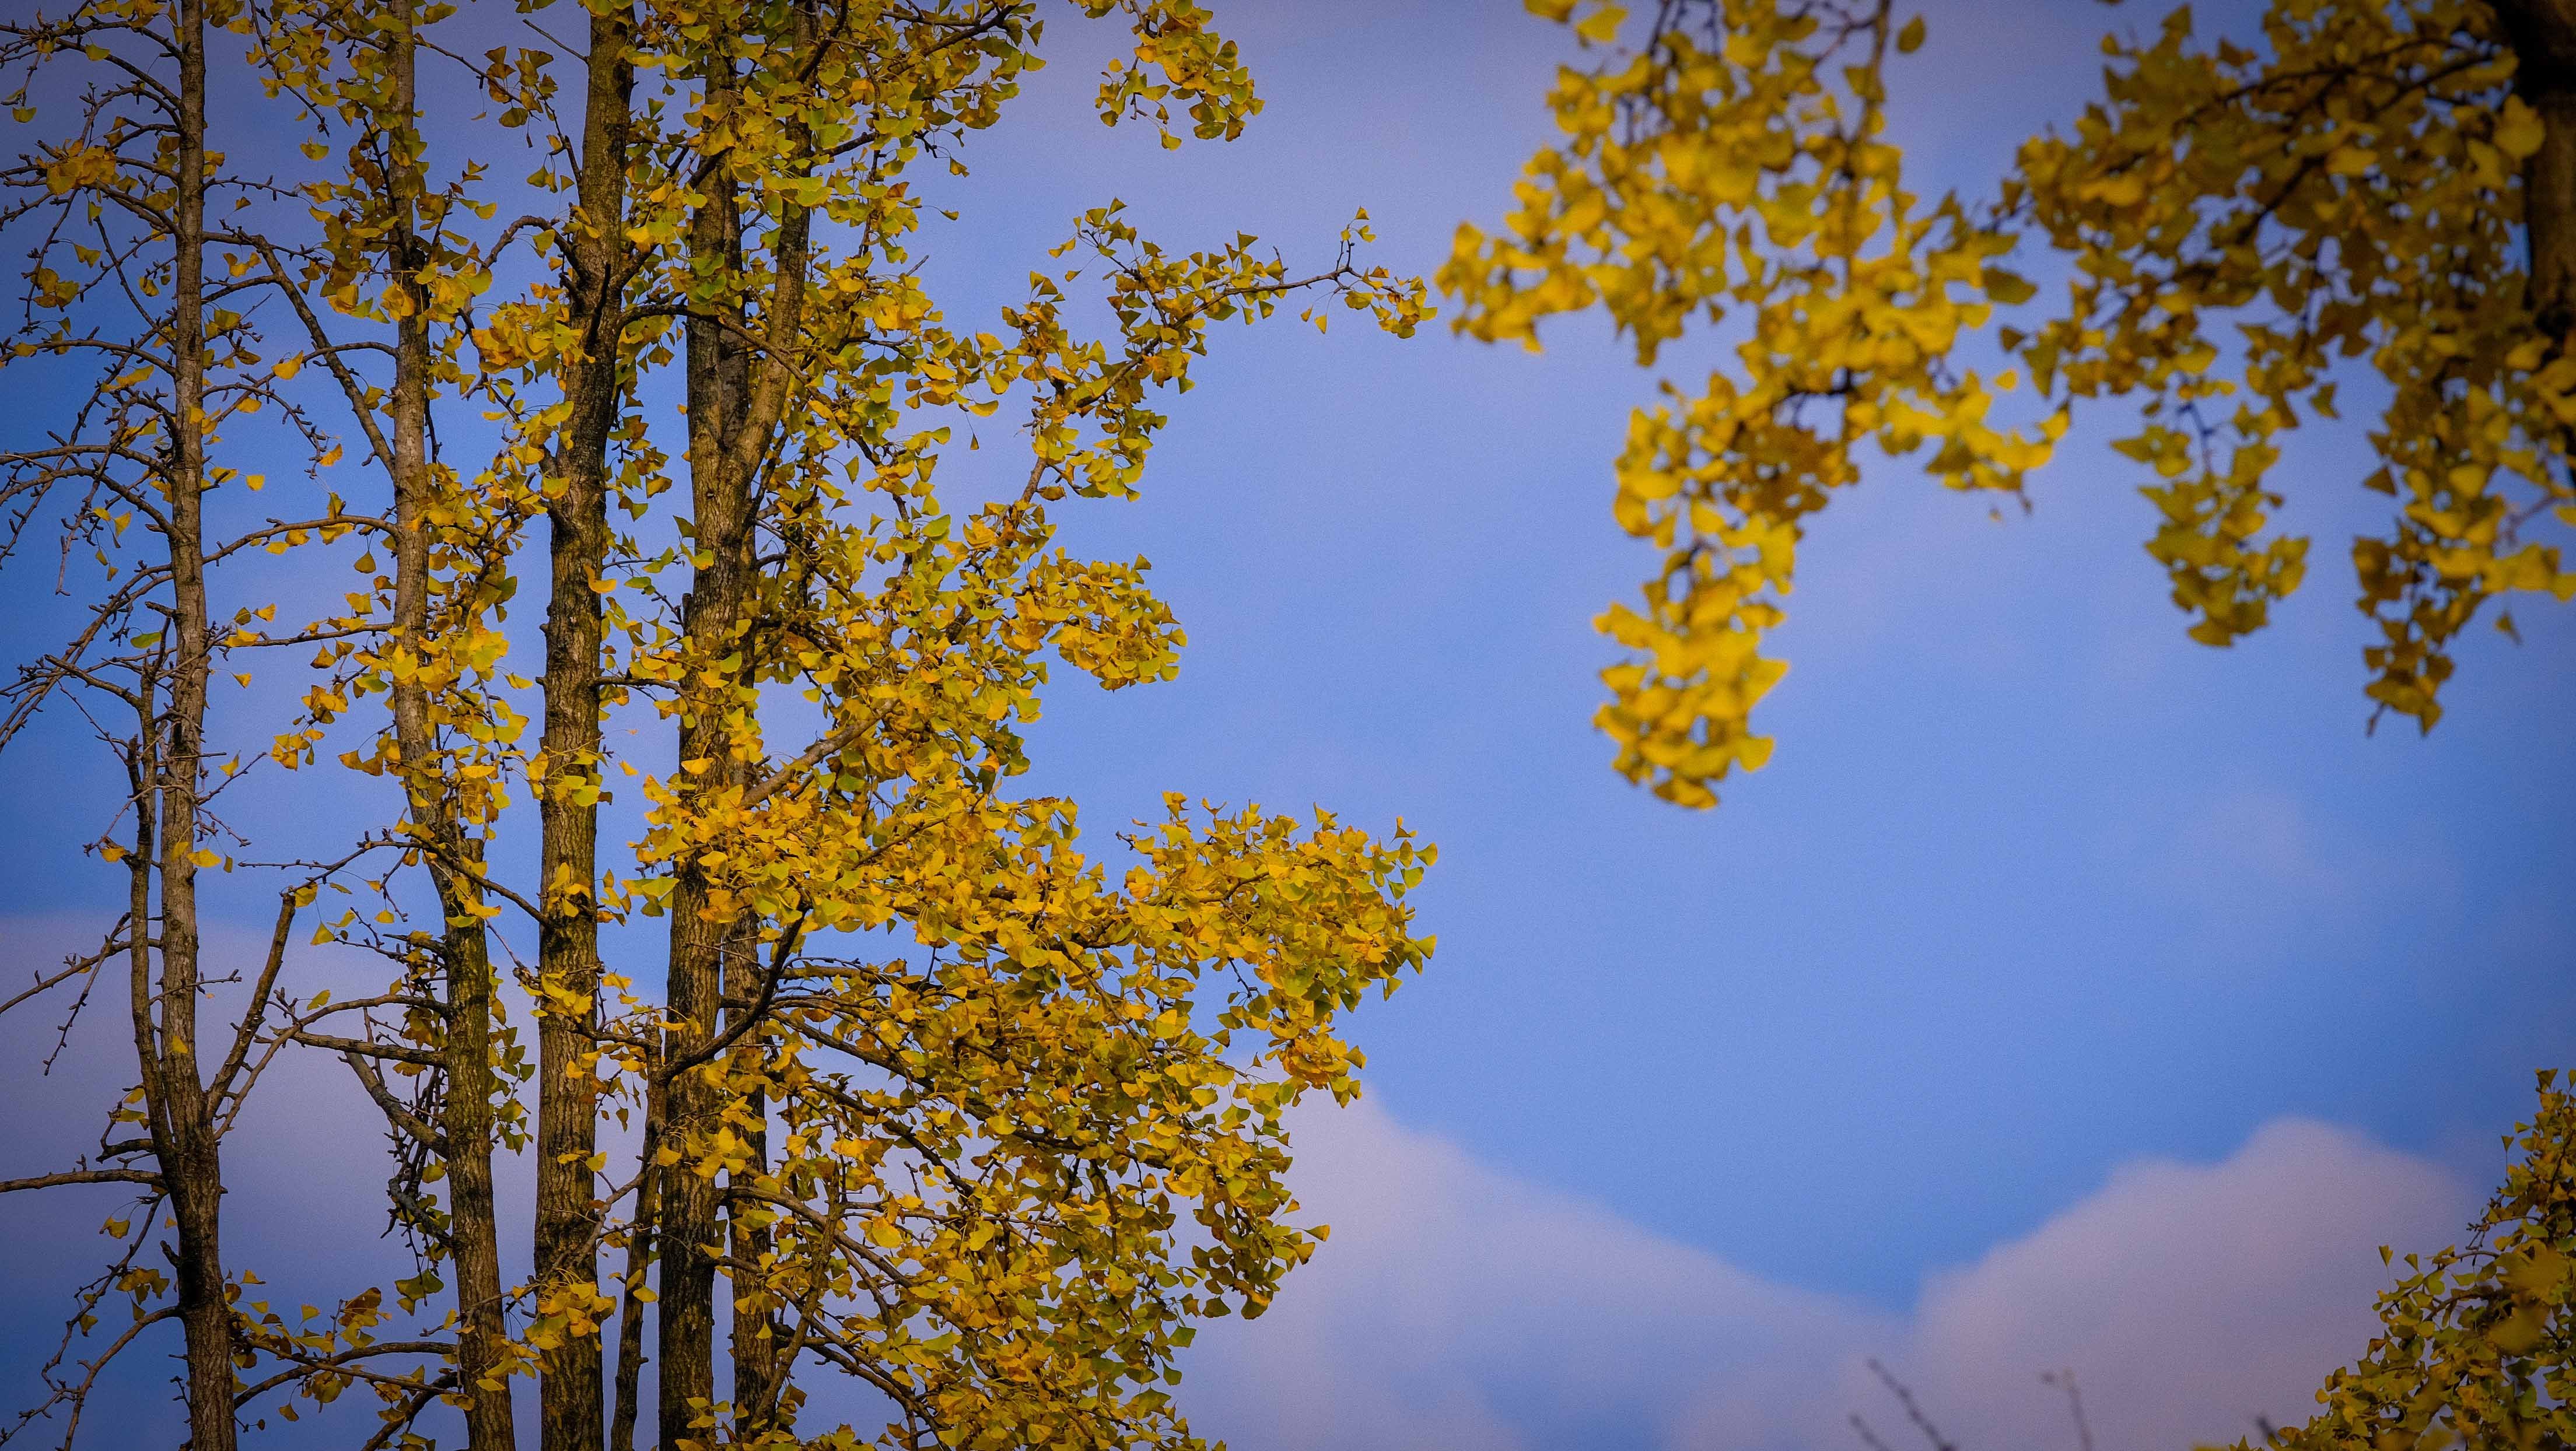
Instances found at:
x=2230 y=233
x=614 y=313
x=595 y=342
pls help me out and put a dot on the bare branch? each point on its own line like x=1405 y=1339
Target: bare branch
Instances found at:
x=83 y=1176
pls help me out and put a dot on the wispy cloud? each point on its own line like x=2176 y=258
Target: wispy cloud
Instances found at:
x=1458 y=1306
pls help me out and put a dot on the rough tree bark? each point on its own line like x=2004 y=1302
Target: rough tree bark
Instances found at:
x=734 y=406
x=452 y=857
x=711 y=618
x=182 y=1123
x=596 y=266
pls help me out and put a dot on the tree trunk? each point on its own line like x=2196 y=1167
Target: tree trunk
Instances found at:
x=453 y=860
x=2542 y=34
x=567 y=1218
x=734 y=407
x=183 y=1129
x=756 y=1370
x=711 y=624
x=642 y=1238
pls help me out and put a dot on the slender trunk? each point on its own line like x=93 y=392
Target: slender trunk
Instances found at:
x=711 y=623
x=755 y=1340
x=453 y=859
x=183 y=1128
x=568 y=1211
x=624 y=1406
x=482 y=1333
x=734 y=409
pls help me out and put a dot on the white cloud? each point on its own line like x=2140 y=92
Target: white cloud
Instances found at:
x=1457 y=1306
x=2188 y=1298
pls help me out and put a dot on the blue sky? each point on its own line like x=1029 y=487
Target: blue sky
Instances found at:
x=2034 y=884
x=2034 y=889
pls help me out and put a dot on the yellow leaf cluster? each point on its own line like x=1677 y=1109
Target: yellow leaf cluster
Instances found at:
x=2231 y=222
x=2238 y=218
x=2473 y=1341
x=1731 y=172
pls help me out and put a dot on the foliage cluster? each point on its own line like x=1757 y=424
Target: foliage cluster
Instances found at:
x=2386 y=181
x=946 y=1103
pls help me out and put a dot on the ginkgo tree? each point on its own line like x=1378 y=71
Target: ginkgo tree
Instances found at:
x=2241 y=224
x=618 y=308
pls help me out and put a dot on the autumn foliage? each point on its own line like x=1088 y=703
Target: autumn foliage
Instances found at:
x=2231 y=233
x=949 y=1102
x=2474 y=1342
x=697 y=581
x=2382 y=181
